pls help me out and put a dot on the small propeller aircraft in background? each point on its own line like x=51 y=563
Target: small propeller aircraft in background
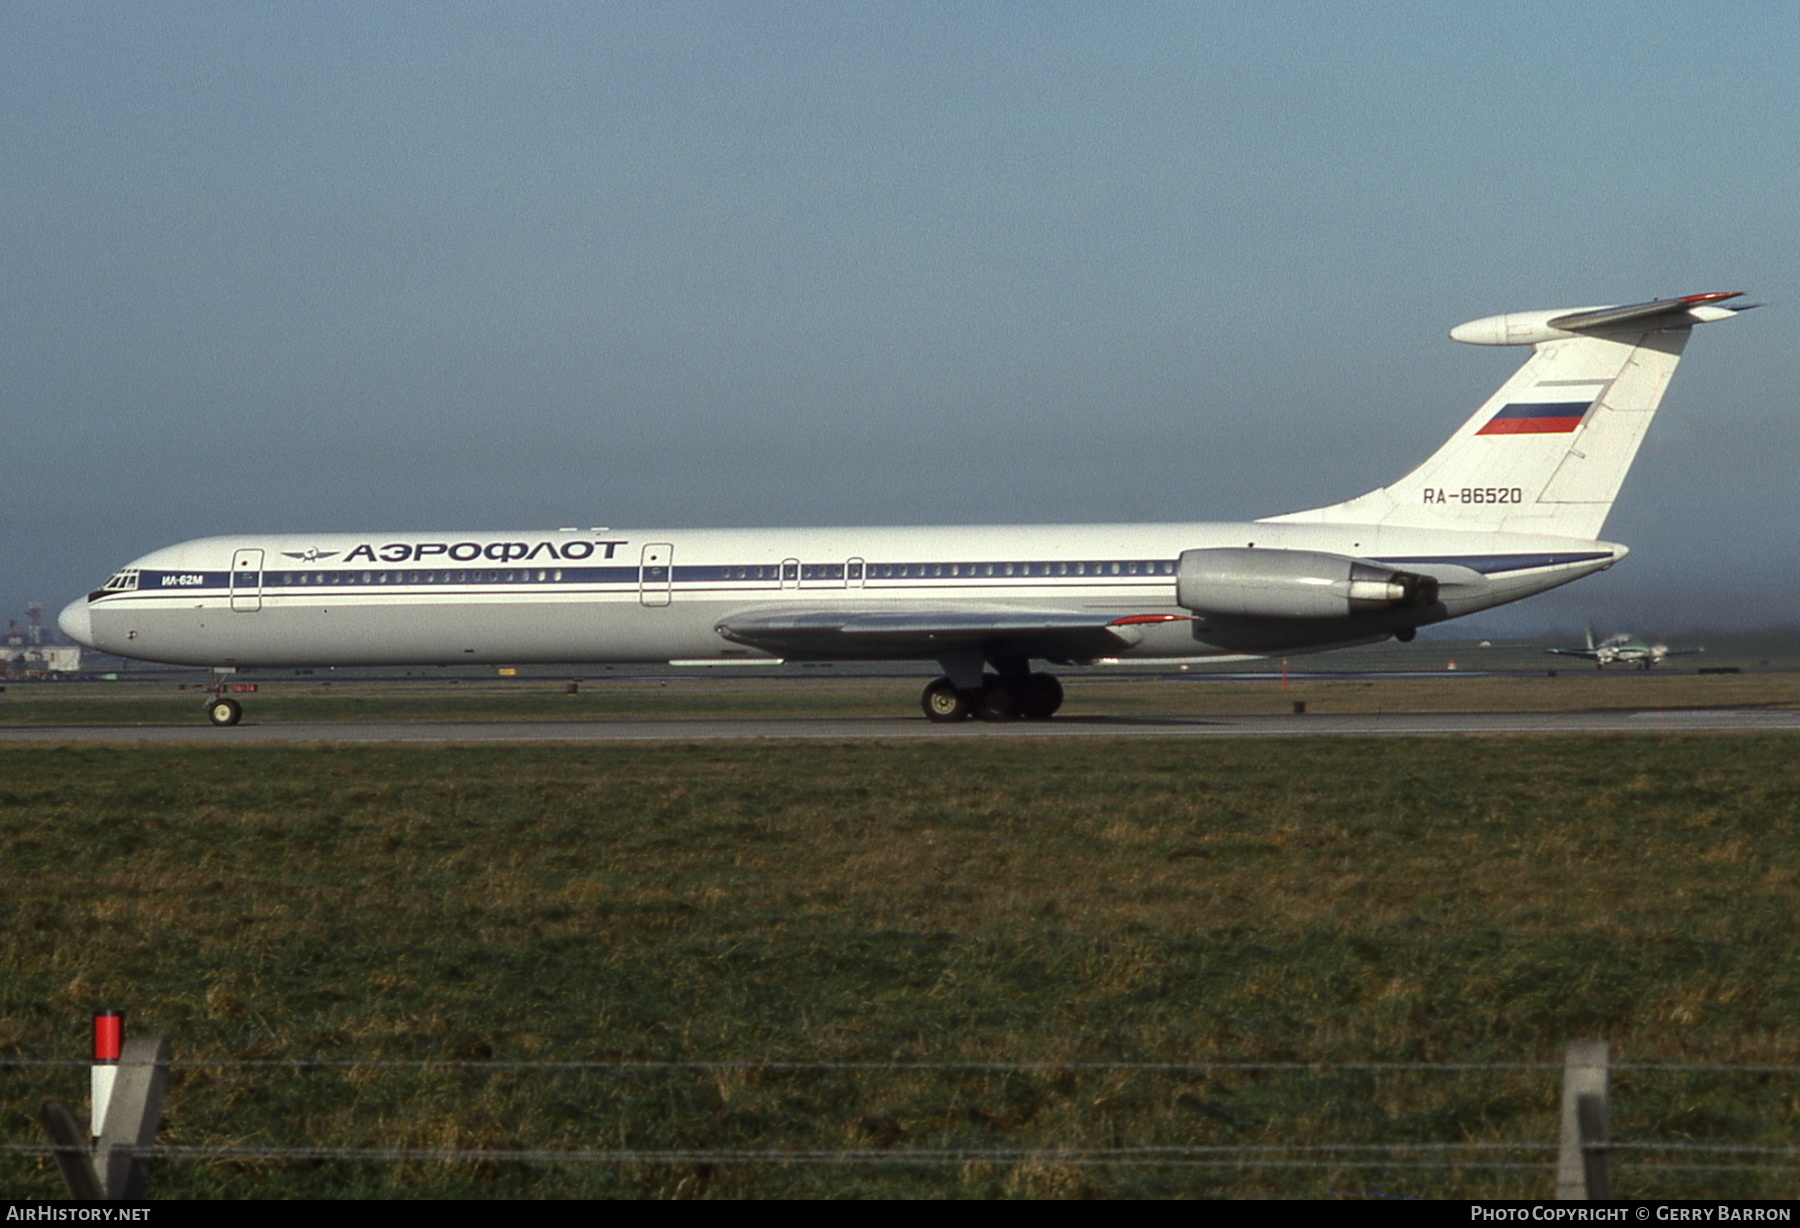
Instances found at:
x=1622 y=649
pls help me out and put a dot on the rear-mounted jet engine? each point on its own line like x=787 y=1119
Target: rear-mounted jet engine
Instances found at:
x=1250 y=583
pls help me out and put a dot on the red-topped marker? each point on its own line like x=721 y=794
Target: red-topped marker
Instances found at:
x=109 y=1035
x=109 y=1042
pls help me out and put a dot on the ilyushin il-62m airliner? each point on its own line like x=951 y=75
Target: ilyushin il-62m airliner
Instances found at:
x=1511 y=506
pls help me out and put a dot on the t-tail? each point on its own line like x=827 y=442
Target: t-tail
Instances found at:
x=1548 y=452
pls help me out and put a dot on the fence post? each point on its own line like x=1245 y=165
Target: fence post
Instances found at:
x=132 y=1116
x=1582 y=1170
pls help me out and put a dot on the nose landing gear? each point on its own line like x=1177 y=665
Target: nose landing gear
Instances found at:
x=220 y=709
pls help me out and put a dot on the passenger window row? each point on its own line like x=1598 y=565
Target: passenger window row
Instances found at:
x=498 y=576
x=809 y=572
x=902 y=571
x=916 y=571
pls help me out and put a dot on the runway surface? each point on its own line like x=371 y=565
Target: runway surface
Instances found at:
x=887 y=728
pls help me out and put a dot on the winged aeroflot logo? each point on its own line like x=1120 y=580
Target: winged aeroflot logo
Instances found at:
x=309 y=555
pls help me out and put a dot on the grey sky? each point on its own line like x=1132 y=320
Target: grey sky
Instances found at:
x=320 y=267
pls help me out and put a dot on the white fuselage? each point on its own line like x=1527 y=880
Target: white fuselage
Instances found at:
x=665 y=595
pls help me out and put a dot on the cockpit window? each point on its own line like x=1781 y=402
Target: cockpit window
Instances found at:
x=124 y=582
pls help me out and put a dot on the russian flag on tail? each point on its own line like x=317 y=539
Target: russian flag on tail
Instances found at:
x=1556 y=418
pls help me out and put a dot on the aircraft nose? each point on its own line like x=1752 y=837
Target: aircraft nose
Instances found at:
x=77 y=623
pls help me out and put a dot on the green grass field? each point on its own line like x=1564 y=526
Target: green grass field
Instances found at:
x=1341 y=900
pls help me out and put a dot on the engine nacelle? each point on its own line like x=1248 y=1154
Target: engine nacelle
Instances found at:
x=1249 y=583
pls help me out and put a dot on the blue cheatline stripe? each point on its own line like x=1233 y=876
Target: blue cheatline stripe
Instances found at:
x=168 y=581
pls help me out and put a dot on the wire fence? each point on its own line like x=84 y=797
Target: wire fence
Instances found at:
x=782 y=1064
x=1047 y=1067
x=1764 y=1162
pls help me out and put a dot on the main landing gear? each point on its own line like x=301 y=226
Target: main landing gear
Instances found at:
x=1031 y=697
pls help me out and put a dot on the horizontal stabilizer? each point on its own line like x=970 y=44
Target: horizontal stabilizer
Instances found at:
x=1561 y=323
x=1676 y=311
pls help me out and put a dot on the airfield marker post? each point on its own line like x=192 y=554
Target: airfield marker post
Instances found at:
x=127 y=1109
x=109 y=1037
x=1583 y=1170
x=133 y=1116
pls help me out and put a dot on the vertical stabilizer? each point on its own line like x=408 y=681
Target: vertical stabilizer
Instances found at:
x=1548 y=452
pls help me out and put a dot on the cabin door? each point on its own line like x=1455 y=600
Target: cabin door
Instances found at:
x=246 y=579
x=656 y=574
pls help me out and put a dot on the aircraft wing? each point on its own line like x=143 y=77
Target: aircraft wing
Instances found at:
x=1064 y=635
x=1573 y=652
